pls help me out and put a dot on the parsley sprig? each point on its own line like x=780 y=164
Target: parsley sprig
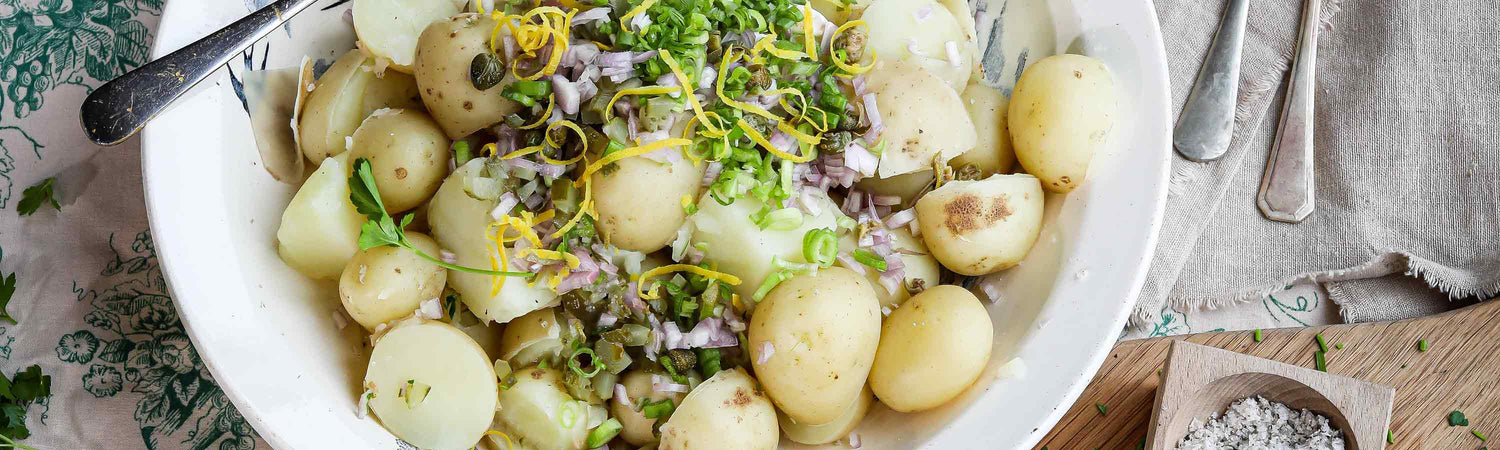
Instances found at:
x=381 y=230
x=27 y=387
x=34 y=197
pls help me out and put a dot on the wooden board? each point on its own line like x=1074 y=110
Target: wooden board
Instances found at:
x=1459 y=371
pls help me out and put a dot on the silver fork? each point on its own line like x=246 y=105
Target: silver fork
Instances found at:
x=1286 y=190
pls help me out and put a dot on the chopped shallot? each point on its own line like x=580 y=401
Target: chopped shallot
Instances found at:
x=620 y=395
x=661 y=383
x=430 y=309
x=953 y=57
x=766 y=350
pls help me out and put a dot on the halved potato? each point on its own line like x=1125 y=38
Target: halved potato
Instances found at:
x=389 y=28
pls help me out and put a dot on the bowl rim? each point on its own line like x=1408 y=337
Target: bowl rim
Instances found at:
x=172 y=23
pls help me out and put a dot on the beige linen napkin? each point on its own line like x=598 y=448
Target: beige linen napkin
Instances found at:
x=1408 y=162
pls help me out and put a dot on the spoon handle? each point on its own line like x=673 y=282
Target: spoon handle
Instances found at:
x=1207 y=122
x=1286 y=191
x=121 y=107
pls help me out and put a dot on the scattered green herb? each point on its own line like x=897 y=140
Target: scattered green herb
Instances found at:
x=1339 y=346
x=1422 y=345
x=26 y=388
x=1103 y=411
x=33 y=198
x=1390 y=438
x=1322 y=343
x=604 y=432
x=7 y=289
x=1320 y=362
x=381 y=229
x=1258 y=336
x=870 y=259
x=1457 y=419
x=1477 y=434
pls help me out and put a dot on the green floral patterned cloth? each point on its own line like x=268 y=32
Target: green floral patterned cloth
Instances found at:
x=92 y=305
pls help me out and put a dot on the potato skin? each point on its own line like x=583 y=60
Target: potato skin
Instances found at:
x=831 y=431
x=931 y=348
x=531 y=337
x=319 y=229
x=638 y=430
x=408 y=155
x=726 y=412
x=532 y=410
x=461 y=404
x=387 y=283
x=923 y=118
x=824 y=329
x=980 y=227
x=1062 y=112
x=992 y=152
x=445 y=51
x=335 y=107
x=640 y=204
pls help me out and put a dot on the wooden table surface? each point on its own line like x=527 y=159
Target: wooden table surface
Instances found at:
x=1459 y=371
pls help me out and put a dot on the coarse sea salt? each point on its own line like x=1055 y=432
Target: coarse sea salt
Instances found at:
x=1257 y=423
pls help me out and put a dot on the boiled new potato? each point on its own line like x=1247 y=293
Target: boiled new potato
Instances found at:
x=907 y=186
x=538 y=411
x=319 y=229
x=444 y=55
x=896 y=34
x=1062 y=113
x=726 y=412
x=918 y=264
x=740 y=248
x=924 y=119
x=840 y=11
x=638 y=429
x=459 y=222
x=487 y=335
x=382 y=284
x=456 y=410
x=980 y=227
x=394 y=90
x=931 y=349
x=335 y=107
x=389 y=28
x=408 y=155
x=640 y=204
x=831 y=431
x=823 y=331
x=531 y=337
x=992 y=152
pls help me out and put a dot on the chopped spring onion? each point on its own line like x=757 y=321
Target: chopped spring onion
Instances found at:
x=781 y=219
x=414 y=392
x=771 y=281
x=461 y=152
x=658 y=410
x=1258 y=336
x=604 y=433
x=870 y=259
x=1320 y=362
x=793 y=267
x=820 y=246
x=502 y=368
x=568 y=416
x=578 y=366
x=1422 y=345
x=1322 y=343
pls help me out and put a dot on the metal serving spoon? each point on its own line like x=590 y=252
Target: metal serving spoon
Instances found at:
x=1286 y=191
x=121 y=107
x=1207 y=122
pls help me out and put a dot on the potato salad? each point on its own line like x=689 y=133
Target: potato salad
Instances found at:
x=674 y=224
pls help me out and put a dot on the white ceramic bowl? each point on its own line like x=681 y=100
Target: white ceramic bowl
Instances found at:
x=268 y=336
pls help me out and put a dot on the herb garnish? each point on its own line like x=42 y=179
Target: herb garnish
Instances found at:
x=27 y=387
x=33 y=198
x=1322 y=344
x=1422 y=345
x=381 y=230
x=1457 y=419
x=7 y=289
x=1320 y=362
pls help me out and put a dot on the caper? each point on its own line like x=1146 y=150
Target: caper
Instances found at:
x=485 y=71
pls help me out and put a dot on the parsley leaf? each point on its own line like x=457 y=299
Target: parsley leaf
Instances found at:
x=33 y=198
x=381 y=230
x=27 y=387
x=7 y=289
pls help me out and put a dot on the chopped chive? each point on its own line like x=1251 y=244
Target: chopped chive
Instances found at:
x=1339 y=346
x=1320 y=362
x=1478 y=434
x=1322 y=343
x=1422 y=345
x=1390 y=438
x=1258 y=336
x=1103 y=411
